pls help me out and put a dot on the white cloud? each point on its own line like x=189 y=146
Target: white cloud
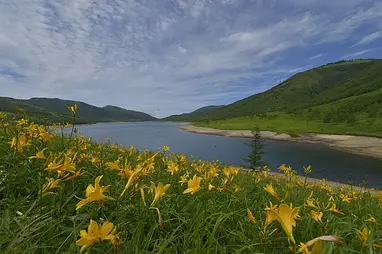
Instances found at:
x=355 y=54
x=316 y=56
x=166 y=57
x=369 y=38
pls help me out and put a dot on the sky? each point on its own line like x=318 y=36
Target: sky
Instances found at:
x=170 y=57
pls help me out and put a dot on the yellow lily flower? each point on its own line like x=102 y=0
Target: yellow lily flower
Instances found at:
x=39 y=155
x=193 y=185
x=283 y=167
x=94 y=193
x=228 y=171
x=214 y=172
x=286 y=215
x=270 y=190
x=317 y=216
x=172 y=167
x=95 y=233
x=18 y=143
x=317 y=244
x=210 y=187
x=309 y=203
x=183 y=179
x=237 y=188
x=363 y=235
x=75 y=175
x=131 y=179
x=96 y=161
x=371 y=220
x=250 y=216
x=159 y=190
x=334 y=209
x=51 y=184
x=165 y=148
x=64 y=164
x=114 y=165
x=142 y=190
x=345 y=198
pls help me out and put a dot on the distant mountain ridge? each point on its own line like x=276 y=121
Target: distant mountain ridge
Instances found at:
x=54 y=110
x=333 y=91
x=194 y=114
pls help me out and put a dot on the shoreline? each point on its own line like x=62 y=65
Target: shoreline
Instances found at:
x=361 y=145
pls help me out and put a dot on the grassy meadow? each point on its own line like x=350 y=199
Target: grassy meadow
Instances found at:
x=291 y=123
x=68 y=194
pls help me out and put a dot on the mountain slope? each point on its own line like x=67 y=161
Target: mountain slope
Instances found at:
x=310 y=89
x=201 y=112
x=54 y=110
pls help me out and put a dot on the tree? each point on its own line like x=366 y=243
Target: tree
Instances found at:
x=257 y=145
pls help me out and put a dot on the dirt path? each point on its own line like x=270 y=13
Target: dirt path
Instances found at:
x=368 y=146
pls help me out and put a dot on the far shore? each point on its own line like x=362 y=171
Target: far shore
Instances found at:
x=368 y=146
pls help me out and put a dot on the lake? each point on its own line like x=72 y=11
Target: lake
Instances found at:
x=326 y=162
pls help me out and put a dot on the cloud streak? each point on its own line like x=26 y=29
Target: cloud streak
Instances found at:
x=166 y=57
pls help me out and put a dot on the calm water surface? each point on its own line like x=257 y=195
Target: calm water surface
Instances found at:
x=326 y=162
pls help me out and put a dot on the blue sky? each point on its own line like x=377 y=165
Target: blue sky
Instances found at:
x=167 y=57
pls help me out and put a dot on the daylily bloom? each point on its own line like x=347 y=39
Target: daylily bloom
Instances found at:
x=237 y=188
x=219 y=189
x=183 y=179
x=96 y=161
x=309 y=203
x=172 y=167
x=214 y=172
x=159 y=190
x=210 y=187
x=333 y=208
x=39 y=155
x=317 y=216
x=363 y=235
x=94 y=193
x=142 y=190
x=75 y=175
x=228 y=171
x=114 y=165
x=284 y=214
x=345 y=198
x=73 y=108
x=270 y=190
x=250 y=216
x=131 y=179
x=317 y=244
x=193 y=185
x=20 y=142
x=51 y=184
x=95 y=233
x=371 y=220
x=165 y=148
x=64 y=164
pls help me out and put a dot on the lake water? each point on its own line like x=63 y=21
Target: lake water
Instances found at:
x=326 y=162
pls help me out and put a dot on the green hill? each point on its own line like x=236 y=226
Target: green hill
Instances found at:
x=342 y=97
x=54 y=110
x=195 y=115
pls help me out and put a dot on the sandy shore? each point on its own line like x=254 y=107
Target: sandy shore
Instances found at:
x=368 y=146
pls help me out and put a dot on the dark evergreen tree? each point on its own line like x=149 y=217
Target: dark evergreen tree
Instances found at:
x=257 y=144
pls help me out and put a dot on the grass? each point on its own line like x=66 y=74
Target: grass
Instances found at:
x=40 y=218
x=289 y=123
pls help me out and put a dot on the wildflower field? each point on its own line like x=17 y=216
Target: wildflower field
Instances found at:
x=66 y=194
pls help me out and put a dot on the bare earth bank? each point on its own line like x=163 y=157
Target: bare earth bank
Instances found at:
x=368 y=146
